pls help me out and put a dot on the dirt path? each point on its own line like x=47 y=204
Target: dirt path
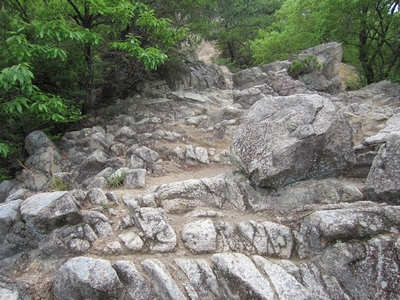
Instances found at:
x=194 y=173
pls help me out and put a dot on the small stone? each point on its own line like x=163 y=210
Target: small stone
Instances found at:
x=132 y=241
x=200 y=236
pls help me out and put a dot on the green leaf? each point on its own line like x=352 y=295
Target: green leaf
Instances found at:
x=4 y=150
x=19 y=107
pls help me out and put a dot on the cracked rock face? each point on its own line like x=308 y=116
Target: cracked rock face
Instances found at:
x=287 y=139
x=383 y=182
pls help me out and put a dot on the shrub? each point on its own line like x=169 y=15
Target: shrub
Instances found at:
x=116 y=180
x=304 y=66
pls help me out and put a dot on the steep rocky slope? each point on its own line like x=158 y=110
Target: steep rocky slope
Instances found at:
x=267 y=190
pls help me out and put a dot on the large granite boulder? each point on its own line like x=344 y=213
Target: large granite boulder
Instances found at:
x=47 y=211
x=287 y=139
x=326 y=79
x=36 y=140
x=383 y=182
x=365 y=270
x=9 y=214
x=321 y=228
x=196 y=75
x=271 y=79
x=87 y=278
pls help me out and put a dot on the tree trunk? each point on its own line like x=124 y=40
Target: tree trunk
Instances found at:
x=363 y=48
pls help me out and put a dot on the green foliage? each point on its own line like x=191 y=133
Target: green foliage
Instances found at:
x=52 y=57
x=302 y=66
x=238 y=22
x=4 y=149
x=4 y=175
x=270 y=47
x=298 y=26
x=151 y=57
x=18 y=95
x=116 y=180
x=58 y=184
x=370 y=33
x=230 y=23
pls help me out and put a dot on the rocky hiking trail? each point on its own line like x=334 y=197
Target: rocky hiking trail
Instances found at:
x=212 y=185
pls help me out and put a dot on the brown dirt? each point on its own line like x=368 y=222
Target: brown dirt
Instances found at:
x=189 y=172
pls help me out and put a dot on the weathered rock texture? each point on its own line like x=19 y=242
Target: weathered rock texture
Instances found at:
x=287 y=139
x=383 y=182
x=284 y=226
x=326 y=79
x=87 y=278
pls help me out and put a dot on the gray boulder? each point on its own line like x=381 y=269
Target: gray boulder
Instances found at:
x=327 y=79
x=320 y=285
x=321 y=228
x=201 y=277
x=153 y=222
x=99 y=223
x=135 y=179
x=146 y=154
x=311 y=192
x=7 y=187
x=87 y=278
x=124 y=133
x=136 y=285
x=132 y=241
x=286 y=286
x=271 y=79
x=196 y=75
x=93 y=164
x=38 y=139
x=229 y=191
x=34 y=180
x=99 y=141
x=248 y=77
x=239 y=278
x=165 y=286
x=99 y=183
x=268 y=238
x=201 y=155
x=392 y=127
x=9 y=214
x=287 y=139
x=46 y=160
x=189 y=152
x=46 y=211
x=366 y=270
x=383 y=182
x=96 y=196
x=200 y=236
